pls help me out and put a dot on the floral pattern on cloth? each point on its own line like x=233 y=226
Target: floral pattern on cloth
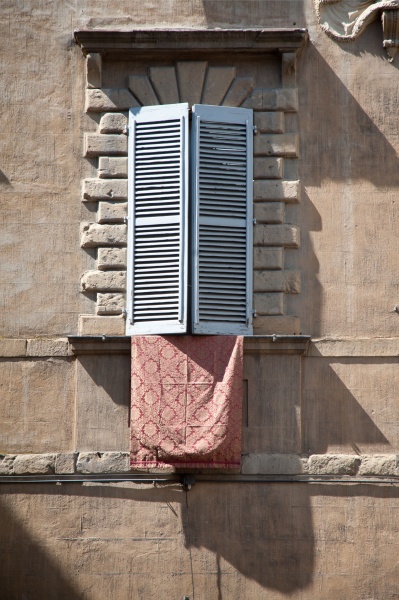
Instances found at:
x=186 y=408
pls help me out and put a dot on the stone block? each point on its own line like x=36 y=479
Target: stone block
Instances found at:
x=12 y=347
x=103 y=462
x=276 y=235
x=282 y=144
x=93 y=325
x=103 y=281
x=110 y=304
x=334 y=464
x=111 y=258
x=277 y=281
x=48 y=347
x=97 y=234
x=286 y=191
x=37 y=404
x=7 y=464
x=103 y=398
x=268 y=258
x=65 y=463
x=268 y=304
x=383 y=464
x=113 y=123
x=284 y=99
x=25 y=464
x=288 y=69
x=191 y=75
x=269 y=212
x=273 y=464
x=112 y=212
x=269 y=122
x=103 y=100
x=165 y=84
x=239 y=90
x=93 y=70
x=104 y=189
x=142 y=89
x=268 y=168
x=97 y=144
x=112 y=167
x=217 y=83
x=279 y=325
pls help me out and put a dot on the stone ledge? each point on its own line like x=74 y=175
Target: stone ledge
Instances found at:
x=319 y=465
x=34 y=347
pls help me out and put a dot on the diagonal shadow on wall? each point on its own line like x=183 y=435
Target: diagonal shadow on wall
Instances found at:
x=27 y=570
x=339 y=140
x=332 y=415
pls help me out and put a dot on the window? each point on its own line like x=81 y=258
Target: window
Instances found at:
x=190 y=220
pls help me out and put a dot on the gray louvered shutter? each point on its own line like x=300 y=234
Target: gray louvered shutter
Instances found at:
x=158 y=220
x=222 y=149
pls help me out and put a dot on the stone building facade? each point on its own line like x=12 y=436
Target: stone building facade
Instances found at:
x=314 y=511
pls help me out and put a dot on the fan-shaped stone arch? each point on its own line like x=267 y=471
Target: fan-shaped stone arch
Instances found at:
x=194 y=82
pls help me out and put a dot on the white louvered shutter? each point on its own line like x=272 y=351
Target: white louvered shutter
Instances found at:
x=222 y=150
x=158 y=220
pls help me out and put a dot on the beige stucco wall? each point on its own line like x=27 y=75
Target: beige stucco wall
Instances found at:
x=340 y=399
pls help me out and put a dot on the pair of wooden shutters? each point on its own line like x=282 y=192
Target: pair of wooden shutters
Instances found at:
x=190 y=220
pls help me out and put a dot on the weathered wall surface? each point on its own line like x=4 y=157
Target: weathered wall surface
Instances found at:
x=233 y=541
x=329 y=411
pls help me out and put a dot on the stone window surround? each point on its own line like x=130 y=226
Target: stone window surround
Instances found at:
x=272 y=233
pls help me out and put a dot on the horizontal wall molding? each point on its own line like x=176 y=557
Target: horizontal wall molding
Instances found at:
x=257 y=344
x=354 y=347
x=276 y=465
x=190 y=41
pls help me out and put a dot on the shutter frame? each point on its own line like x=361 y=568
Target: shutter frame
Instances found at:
x=153 y=230
x=201 y=324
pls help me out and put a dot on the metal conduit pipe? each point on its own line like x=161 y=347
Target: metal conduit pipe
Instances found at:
x=188 y=480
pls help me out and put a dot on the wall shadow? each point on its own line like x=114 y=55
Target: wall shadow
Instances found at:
x=339 y=141
x=27 y=571
x=331 y=414
x=262 y=531
x=110 y=372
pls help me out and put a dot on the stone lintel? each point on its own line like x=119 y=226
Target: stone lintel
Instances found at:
x=191 y=42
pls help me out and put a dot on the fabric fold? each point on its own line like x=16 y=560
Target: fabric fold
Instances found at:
x=186 y=402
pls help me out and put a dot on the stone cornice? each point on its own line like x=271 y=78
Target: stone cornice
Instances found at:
x=189 y=42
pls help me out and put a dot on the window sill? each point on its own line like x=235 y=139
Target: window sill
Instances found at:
x=257 y=344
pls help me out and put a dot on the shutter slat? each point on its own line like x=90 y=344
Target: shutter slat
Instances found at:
x=158 y=197
x=223 y=220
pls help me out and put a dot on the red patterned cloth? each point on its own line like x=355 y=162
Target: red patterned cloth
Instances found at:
x=186 y=401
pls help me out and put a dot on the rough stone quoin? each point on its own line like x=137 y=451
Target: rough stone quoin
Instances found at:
x=98 y=234
x=113 y=123
x=103 y=100
x=104 y=189
x=97 y=144
x=277 y=281
x=111 y=258
x=276 y=235
x=286 y=191
x=103 y=281
x=112 y=167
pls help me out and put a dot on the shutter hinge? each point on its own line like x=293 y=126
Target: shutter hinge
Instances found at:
x=255 y=129
x=254 y=221
x=254 y=313
x=126 y=220
x=125 y=131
